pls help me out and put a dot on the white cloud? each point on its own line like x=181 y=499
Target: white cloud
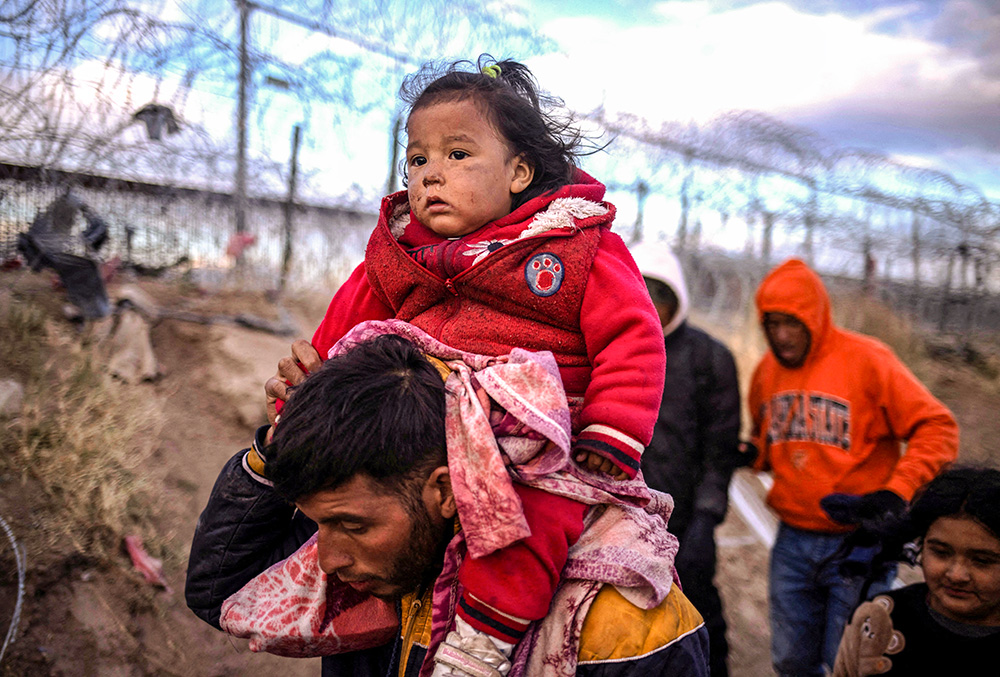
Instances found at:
x=910 y=160
x=689 y=61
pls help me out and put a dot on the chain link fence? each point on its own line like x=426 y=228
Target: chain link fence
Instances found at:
x=154 y=227
x=723 y=287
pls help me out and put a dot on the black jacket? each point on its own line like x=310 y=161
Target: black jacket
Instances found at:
x=695 y=445
x=245 y=528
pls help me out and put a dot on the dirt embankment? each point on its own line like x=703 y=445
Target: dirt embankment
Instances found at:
x=86 y=614
x=92 y=614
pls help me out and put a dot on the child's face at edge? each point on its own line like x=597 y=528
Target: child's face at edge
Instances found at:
x=961 y=563
x=461 y=173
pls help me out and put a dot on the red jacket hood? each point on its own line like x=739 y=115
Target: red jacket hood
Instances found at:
x=793 y=288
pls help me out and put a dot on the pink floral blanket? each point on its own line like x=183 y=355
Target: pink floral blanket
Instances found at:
x=523 y=435
x=293 y=610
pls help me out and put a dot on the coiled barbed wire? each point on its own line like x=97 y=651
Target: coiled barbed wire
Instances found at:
x=19 y=558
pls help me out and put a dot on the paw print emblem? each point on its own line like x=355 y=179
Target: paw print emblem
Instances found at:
x=544 y=274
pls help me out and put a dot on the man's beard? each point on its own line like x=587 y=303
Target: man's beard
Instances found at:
x=422 y=562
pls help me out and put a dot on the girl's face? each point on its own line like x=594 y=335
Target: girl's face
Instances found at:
x=961 y=563
x=461 y=173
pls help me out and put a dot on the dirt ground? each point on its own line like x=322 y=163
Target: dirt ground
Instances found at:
x=80 y=618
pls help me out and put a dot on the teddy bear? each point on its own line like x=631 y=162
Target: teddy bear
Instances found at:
x=868 y=641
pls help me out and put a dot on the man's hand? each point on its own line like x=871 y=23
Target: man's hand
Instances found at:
x=750 y=453
x=292 y=370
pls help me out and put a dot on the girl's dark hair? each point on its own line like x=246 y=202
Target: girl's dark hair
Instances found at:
x=960 y=492
x=511 y=101
x=377 y=409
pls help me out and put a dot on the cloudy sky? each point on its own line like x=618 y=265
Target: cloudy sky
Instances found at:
x=918 y=80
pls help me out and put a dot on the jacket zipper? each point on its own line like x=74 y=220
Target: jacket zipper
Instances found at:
x=406 y=651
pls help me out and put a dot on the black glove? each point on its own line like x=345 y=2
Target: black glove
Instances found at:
x=697 y=543
x=749 y=452
x=867 y=552
x=877 y=513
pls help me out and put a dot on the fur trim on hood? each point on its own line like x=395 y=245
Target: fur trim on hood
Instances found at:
x=657 y=262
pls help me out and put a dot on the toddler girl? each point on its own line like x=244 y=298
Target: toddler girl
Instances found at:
x=500 y=241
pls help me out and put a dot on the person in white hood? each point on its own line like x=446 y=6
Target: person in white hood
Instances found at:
x=695 y=446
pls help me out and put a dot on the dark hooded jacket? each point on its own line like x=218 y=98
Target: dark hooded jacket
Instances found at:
x=695 y=445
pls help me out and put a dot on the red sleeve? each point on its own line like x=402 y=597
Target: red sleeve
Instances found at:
x=626 y=349
x=354 y=302
x=929 y=428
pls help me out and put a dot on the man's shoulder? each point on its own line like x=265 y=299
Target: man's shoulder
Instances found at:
x=709 y=343
x=692 y=334
x=864 y=354
x=704 y=346
x=860 y=346
x=859 y=351
x=671 y=635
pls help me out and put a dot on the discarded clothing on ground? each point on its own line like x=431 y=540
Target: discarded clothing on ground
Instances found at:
x=48 y=243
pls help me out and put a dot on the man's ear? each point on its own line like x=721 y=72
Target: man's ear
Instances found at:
x=438 y=494
x=523 y=174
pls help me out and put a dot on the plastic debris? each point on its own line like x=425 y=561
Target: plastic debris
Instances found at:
x=150 y=567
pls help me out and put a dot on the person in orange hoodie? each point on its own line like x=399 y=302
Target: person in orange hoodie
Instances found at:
x=832 y=411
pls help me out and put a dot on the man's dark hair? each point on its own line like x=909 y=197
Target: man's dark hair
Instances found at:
x=377 y=409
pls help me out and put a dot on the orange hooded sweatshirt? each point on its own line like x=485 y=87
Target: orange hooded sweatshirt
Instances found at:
x=838 y=422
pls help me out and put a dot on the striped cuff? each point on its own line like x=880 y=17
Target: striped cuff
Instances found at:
x=490 y=621
x=621 y=449
x=254 y=461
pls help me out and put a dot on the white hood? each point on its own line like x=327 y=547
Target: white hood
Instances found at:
x=656 y=261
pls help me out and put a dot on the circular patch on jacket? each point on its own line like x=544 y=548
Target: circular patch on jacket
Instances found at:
x=544 y=274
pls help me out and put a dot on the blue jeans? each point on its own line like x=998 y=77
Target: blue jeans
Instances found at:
x=810 y=601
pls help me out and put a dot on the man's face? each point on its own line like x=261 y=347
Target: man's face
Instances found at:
x=961 y=563
x=664 y=300
x=381 y=543
x=788 y=338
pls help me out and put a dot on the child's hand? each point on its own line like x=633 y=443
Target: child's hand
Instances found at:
x=292 y=370
x=597 y=463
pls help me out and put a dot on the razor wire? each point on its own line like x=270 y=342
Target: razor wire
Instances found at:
x=20 y=559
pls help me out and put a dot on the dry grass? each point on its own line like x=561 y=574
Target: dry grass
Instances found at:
x=868 y=316
x=81 y=440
